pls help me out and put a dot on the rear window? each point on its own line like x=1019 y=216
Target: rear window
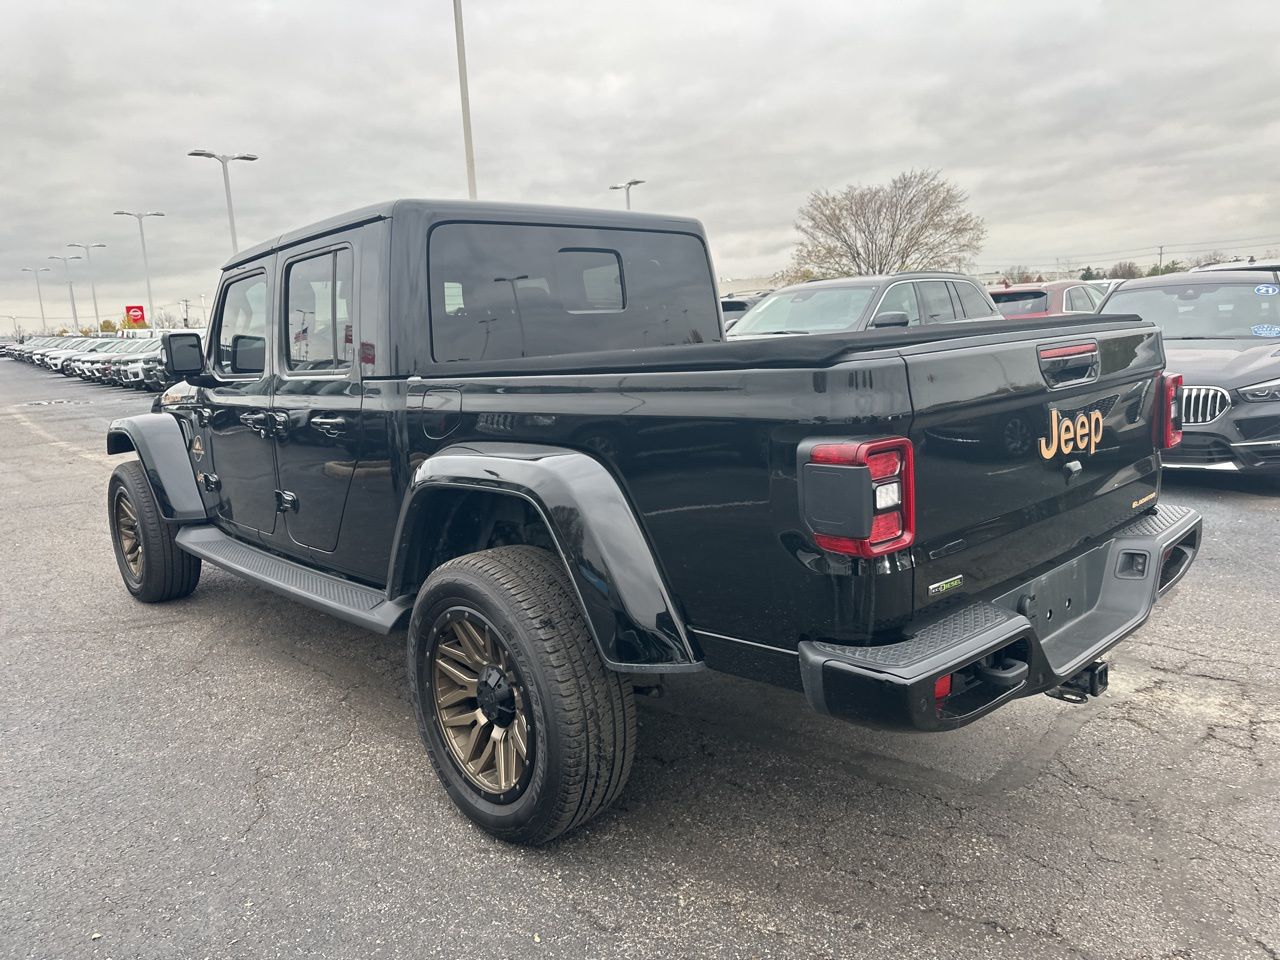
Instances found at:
x=1015 y=303
x=1205 y=310
x=500 y=291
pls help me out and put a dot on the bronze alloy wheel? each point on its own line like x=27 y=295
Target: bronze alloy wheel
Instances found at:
x=126 y=518
x=480 y=704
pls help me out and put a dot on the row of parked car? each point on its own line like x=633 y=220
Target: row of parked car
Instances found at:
x=130 y=362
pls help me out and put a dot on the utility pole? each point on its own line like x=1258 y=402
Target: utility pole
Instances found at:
x=1160 y=261
x=185 y=303
x=466 y=99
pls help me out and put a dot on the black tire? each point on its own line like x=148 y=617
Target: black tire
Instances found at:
x=582 y=721
x=160 y=570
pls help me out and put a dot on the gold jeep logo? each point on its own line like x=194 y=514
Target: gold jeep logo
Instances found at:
x=1066 y=434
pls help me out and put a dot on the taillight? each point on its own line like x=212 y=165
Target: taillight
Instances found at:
x=1168 y=422
x=890 y=463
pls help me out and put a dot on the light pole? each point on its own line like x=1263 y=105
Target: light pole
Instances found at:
x=93 y=287
x=224 y=159
x=146 y=267
x=35 y=272
x=466 y=99
x=627 y=187
x=71 y=291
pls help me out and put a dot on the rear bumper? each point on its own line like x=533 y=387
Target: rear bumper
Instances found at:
x=1056 y=624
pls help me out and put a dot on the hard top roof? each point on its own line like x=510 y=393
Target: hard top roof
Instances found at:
x=434 y=211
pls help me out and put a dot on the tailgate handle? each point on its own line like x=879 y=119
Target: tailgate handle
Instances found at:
x=1065 y=365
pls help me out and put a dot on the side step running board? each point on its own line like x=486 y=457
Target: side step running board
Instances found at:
x=353 y=602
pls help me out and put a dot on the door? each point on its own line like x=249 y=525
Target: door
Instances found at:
x=236 y=408
x=316 y=408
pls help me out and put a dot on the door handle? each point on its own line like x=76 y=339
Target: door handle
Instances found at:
x=256 y=422
x=330 y=426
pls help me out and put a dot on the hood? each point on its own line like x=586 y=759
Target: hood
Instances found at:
x=1224 y=363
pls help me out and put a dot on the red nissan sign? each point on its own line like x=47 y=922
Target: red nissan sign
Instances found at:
x=135 y=316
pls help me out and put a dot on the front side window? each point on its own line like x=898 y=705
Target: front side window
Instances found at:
x=240 y=346
x=318 y=313
x=901 y=298
x=500 y=291
x=937 y=301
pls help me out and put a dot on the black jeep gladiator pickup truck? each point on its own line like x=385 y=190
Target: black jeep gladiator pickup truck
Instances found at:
x=518 y=431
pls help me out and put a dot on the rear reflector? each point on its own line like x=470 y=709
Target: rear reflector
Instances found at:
x=942 y=687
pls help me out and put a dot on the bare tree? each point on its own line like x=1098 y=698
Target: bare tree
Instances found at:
x=1124 y=270
x=1217 y=256
x=1019 y=275
x=917 y=221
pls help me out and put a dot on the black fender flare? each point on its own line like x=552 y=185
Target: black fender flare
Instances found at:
x=162 y=450
x=632 y=617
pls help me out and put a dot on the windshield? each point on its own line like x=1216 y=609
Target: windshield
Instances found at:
x=1015 y=303
x=1191 y=311
x=815 y=310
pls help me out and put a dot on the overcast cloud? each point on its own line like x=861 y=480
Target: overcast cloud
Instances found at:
x=1081 y=129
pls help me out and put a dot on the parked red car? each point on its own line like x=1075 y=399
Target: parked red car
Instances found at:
x=1046 y=299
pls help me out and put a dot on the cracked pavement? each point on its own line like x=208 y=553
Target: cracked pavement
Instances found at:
x=232 y=775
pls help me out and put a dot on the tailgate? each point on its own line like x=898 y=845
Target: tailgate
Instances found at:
x=1004 y=480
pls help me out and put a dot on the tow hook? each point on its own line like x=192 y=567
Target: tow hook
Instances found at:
x=1089 y=682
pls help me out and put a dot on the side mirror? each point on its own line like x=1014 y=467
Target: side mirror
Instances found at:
x=891 y=318
x=248 y=354
x=182 y=355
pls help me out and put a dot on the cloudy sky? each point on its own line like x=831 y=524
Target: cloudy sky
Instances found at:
x=1087 y=130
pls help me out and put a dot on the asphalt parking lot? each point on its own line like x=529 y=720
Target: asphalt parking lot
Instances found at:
x=235 y=776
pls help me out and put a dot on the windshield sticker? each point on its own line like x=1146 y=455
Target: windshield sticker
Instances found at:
x=1266 y=330
x=1266 y=289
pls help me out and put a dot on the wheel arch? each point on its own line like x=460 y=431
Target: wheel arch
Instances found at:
x=157 y=439
x=467 y=498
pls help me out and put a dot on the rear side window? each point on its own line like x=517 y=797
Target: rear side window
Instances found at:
x=240 y=346
x=500 y=291
x=318 y=312
x=937 y=301
x=974 y=303
x=1078 y=300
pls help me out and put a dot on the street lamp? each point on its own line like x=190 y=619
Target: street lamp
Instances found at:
x=224 y=159
x=466 y=99
x=35 y=272
x=71 y=291
x=627 y=187
x=146 y=267
x=93 y=287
